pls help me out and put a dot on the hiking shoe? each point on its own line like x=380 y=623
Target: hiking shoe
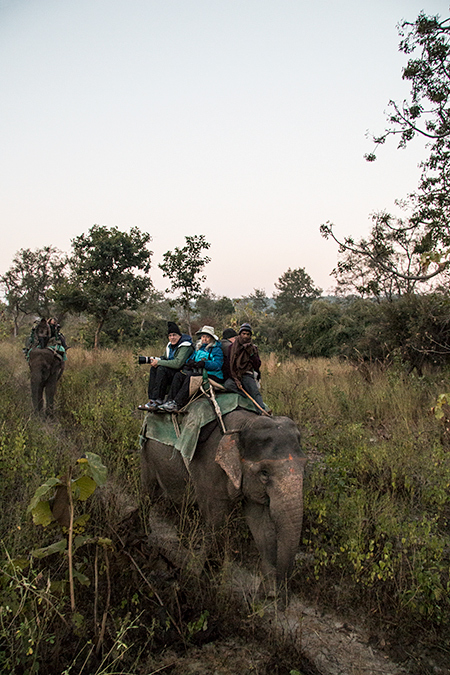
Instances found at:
x=169 y=407
x=151 y=405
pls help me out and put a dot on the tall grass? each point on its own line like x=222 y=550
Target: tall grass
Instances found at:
x=377 y=494
x=132 y=598
x=377 y=503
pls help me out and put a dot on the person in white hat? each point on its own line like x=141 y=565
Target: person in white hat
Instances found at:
x=208 y=355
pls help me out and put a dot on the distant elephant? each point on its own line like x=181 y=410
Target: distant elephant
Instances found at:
x=259 y=463
x=46 y=368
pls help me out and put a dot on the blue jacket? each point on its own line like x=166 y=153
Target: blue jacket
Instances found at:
x=213 y=356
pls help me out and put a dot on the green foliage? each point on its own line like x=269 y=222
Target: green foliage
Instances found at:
x=426 y=42
x=64 y=492
x=412 y=329
x=183 y=267
x=399 y=252
x=212 y=310
x=377 y=503
x=34 y=597
x=99 y=399
x=259 y=300
x=92 y=474
x=201 y=624
x=27 y=618
x=377 y=492
x=29 y=282
x=295 y=291
x=29 y=452
x=386 y=264
x=417 y=329
x=109 y=272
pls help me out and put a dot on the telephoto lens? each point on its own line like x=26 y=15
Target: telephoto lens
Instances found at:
x=144 y=359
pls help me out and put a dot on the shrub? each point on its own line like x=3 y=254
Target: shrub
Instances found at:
x=377 y=493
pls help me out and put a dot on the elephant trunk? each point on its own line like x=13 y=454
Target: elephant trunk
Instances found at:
x=286 y=511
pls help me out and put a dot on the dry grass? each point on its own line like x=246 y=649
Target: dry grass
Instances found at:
x=377 y=495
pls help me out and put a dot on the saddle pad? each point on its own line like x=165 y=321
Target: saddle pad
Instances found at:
x=160 y=427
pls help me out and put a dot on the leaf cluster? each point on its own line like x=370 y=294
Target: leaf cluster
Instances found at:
x=386 y=264
x=426 y=113
x=32 y=277
x=295 y=291
x=211 y=309
x=109 y=271
x=183 y=267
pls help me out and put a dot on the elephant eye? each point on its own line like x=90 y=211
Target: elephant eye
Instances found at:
x=265 y=475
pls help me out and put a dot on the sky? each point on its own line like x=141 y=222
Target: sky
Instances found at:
x=243 y=120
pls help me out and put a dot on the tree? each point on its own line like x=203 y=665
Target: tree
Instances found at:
x=212 y=309
x=296 y=291
x=259 y=300
x=425 y=113
x=30 y=280
x=109 y=273
x=367 y=265
x=183 y=266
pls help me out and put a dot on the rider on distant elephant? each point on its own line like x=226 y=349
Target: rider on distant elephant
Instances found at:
x=46 y=334
x=40 y=333
x=55 y=329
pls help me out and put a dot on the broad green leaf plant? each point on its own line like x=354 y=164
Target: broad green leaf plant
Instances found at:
x=67 y=490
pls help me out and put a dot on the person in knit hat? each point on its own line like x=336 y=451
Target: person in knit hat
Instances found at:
x=208 y=356
x=244 y=367
x=163 y=369
x=229 y=335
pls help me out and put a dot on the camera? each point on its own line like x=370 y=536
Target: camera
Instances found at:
x=144 y=359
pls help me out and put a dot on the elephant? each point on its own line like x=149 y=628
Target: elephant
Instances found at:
x=46 y=368
x=258 y=462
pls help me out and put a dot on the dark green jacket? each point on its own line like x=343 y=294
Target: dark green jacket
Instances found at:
x=182 y=352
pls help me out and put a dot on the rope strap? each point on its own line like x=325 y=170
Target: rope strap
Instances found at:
x=212 y=398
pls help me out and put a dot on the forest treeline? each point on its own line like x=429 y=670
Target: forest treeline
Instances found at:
x=103 y=296
x=391 y=285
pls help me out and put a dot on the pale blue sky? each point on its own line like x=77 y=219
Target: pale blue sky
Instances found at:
x=243 y=120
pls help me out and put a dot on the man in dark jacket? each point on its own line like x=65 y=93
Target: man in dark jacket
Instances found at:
x=163 y=369
x=243 y=364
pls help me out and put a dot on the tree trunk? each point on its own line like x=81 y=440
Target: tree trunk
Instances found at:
x=97 y=332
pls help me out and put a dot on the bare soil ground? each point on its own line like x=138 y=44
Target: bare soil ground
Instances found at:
x=329 y=644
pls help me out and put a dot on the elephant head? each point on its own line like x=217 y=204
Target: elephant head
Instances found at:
x=264 y=463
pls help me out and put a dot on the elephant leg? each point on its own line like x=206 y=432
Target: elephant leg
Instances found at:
x=149 y=481
x=160 y=468
x=51 y=385
x=50 y=391
x=37 y=393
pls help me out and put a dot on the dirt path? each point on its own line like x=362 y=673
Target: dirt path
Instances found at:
x=332 y=645
x=327 y=641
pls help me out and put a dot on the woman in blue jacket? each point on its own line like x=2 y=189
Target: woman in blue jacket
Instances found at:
x=208 y=355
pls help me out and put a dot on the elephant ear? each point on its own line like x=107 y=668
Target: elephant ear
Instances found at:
x=229 y=459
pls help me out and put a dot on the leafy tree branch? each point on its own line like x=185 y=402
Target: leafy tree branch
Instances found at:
x=109 y=272
x=183 y=267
